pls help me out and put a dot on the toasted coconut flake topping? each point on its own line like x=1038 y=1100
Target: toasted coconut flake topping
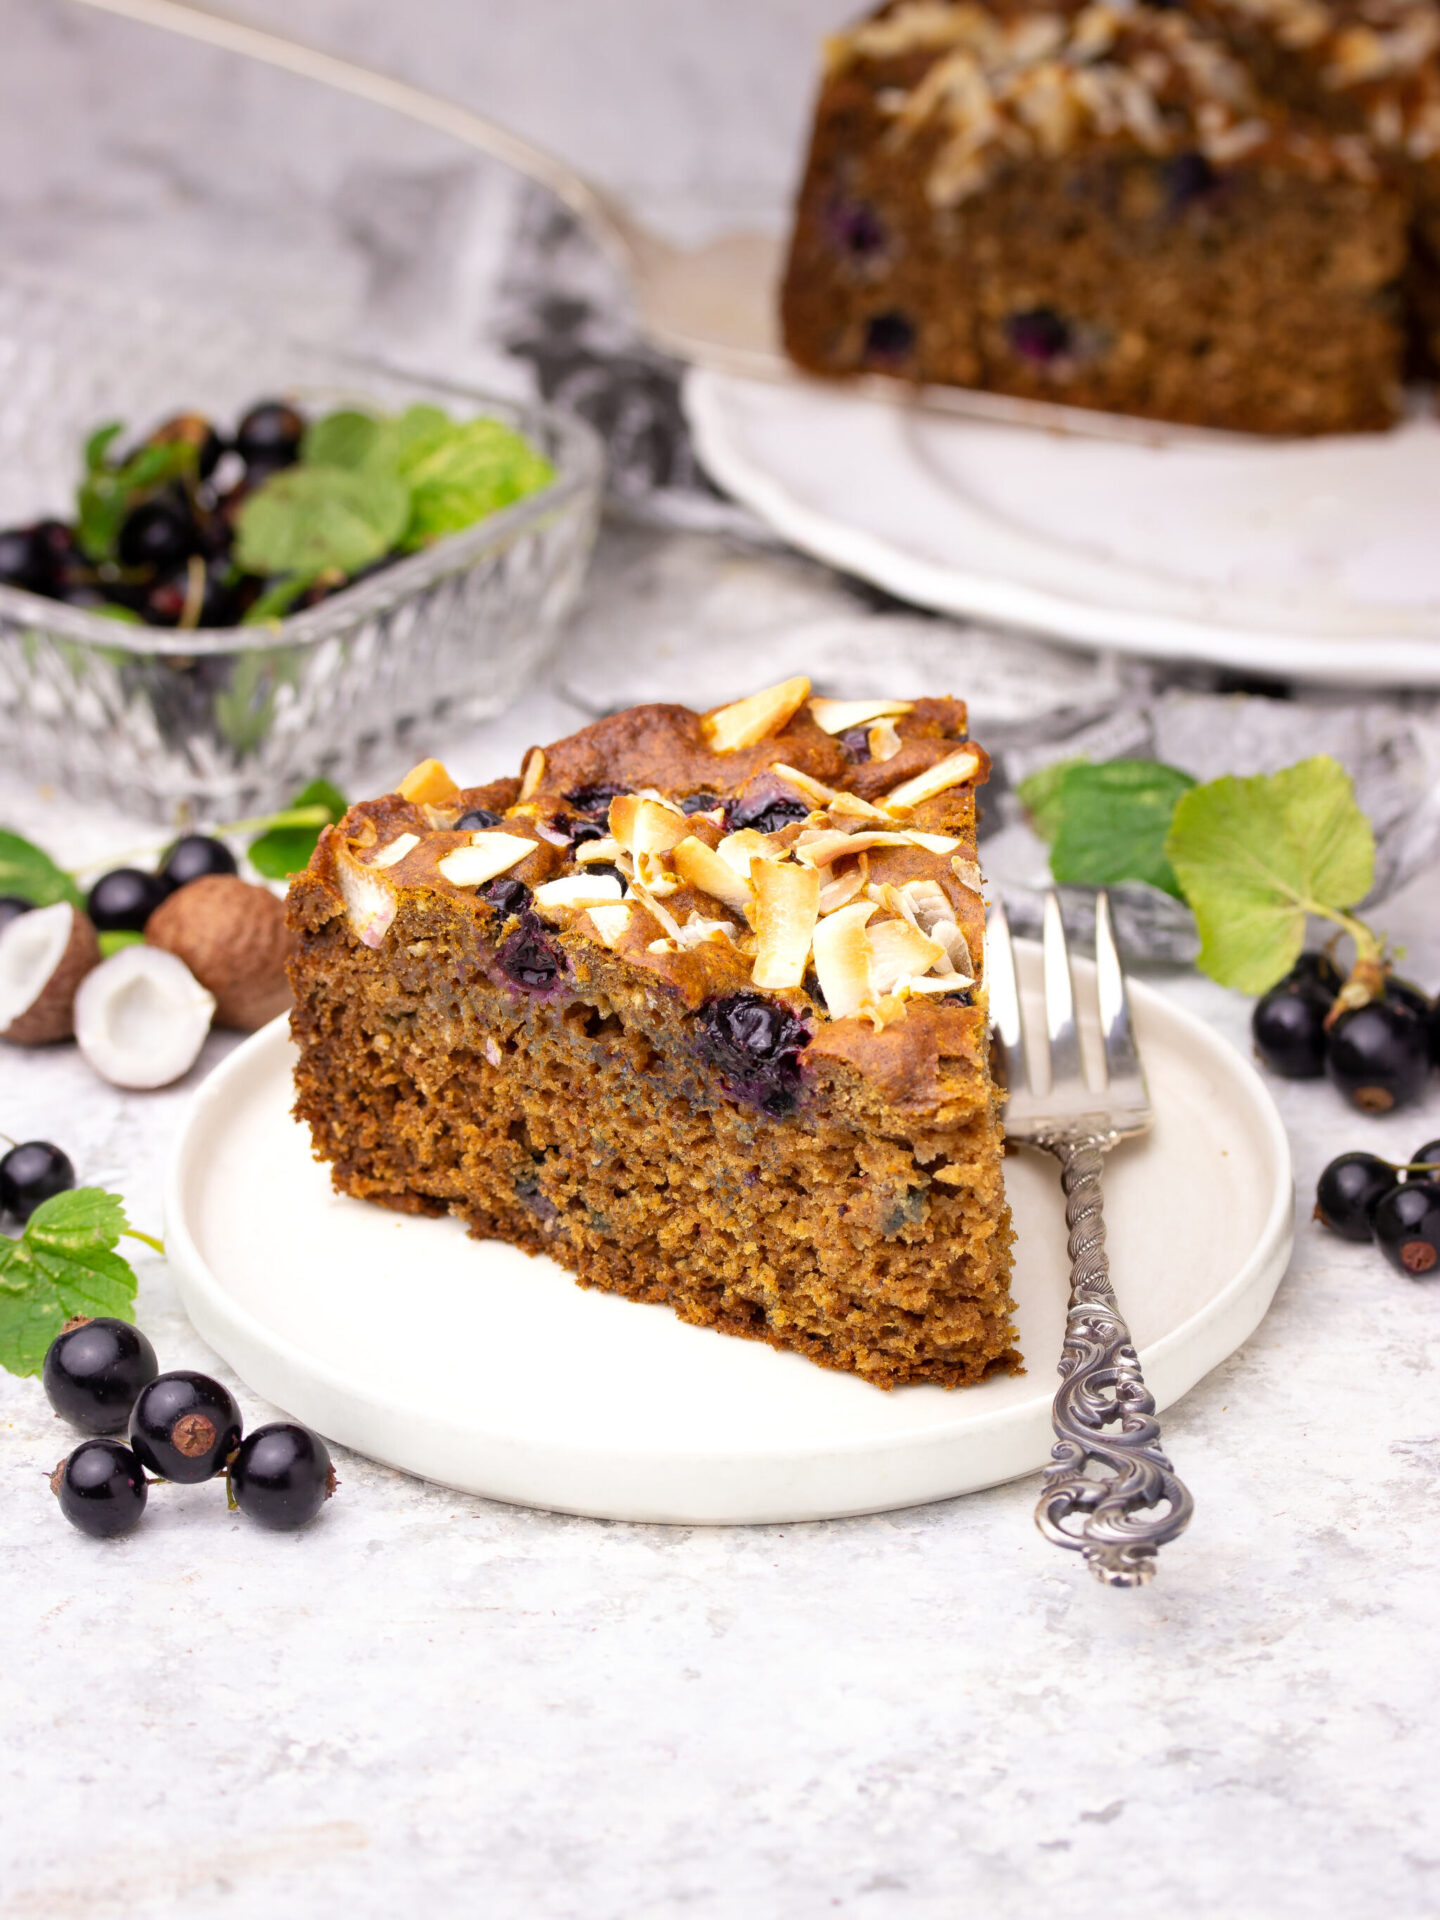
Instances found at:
x=697 y=930
x=842 y=959
x=488 y=855
x=396 y=851
x=884 y=741
x=968 y=873
x=840 y=891
x=532 y=773
x=589 y=850
x=898 y=950
x=579 y=890
x=700 y=866
x=820 y=846
x=611 y=923
x=829 y=798
x=739 y=849
x=787 y=903
x=746 y=723
x=839 y=716
x=646 y=826
x=428 y=783
x=953 y=771
x=369 y=902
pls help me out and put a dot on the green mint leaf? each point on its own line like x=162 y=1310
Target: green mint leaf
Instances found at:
x=1256 y=856
x=285 y=850
x=1040 y=795
x=1112 y=821
x=29 y=874
x=63 y=1264
x=107 y=494
x=306 y=520
x=343 y=439
x=461 y=475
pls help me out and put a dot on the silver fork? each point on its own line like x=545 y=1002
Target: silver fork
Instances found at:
x=1111 y=1493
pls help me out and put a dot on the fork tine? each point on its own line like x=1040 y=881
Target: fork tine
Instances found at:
x=1003 y=992
x=1065 y=1063
x=1122 y=1056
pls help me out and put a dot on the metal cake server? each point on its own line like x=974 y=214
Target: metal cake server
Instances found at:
x=1111 y=1493
x=714 y=305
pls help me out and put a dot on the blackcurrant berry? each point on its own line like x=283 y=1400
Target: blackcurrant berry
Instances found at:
x=94 y=1373
x=193 y=857
x=1315 y=964
x=158 y=533
x=476 y=818
x=1407 y=1227
x=1426 y=1156
x=1347 y=1192
x=1288 y=1029
x=123 y=900
x=20 y=562
x=1377 y=1056
x=195 y=431
x=32 y=1172
x=101 y=1488
x=271 y=432
x=1408 y=995
x=184 y=1426
x=281 y=1475
x=11 y=908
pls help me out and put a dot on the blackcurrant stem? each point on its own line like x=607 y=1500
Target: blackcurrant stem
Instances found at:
x=134 y=1233
x=8 y=1141
x=315 y=816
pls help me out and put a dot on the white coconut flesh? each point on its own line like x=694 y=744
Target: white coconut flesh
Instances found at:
x=141 y=1017
x=31 y=948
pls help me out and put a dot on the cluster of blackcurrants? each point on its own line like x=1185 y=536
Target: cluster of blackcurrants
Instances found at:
x=122 y=900
x=102 y=1376
x=1362 y=1197
x=173 y=563
x=1378 y=1055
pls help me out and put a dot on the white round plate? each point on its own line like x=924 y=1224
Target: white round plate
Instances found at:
x=472 y=1364
x=1303 y=559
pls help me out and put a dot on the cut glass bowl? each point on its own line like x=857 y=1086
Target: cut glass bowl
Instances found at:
x=224 y=722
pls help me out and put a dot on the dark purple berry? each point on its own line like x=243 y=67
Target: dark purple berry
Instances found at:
x=184 y=1426
x=584 y=831
x=506 y=896
x=889 y=339
x=1426 y=1156
x=1347 y=1192
x=1315 y=965
x=158 y=533
x=194 y=857
x=20 y=560
x=607 y=867
x=281 y=1475
x=1407 y=1227
x=1038 y=335
x=123 y=900
x=101 y=1488
x=1288 y=1028
x=855 y=228
x=95 y=1371
x=856 y=743
x=269 y=436
x=1187 y=177
x=1378 y=1056
x=32 y=1172
x=764 y=814
x=755 y=1044
x=689 y=803
x=529 y=957
x=1407 y=994
x=11 y=908
x=475 y=819
x=193 y=430
x=593 y=800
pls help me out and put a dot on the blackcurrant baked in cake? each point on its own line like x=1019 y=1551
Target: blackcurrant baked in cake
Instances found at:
x=695 y=1005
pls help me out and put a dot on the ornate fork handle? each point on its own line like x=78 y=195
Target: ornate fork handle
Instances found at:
x=1104 y=1415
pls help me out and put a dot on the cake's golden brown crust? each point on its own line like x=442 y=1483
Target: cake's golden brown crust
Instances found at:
x=767 y=1105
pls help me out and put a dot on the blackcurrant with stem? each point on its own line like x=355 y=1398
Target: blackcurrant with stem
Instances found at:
x=122 y=900
x=1348 y=1191
x=101 y=1488
x=1288 y=1028
x=281 y=1475
x=33 y=1171
x=1377 y=1055
x=1407 y=1227
x=184 y=1426
x=1426 y=1156
x=95 y=1371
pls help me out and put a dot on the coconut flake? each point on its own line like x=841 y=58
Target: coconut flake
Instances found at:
x=839 y=716
x=532 y=773
x=489 y=854
x=589 y=850
x=396 y=851
x=646 y=826
x=840 y=891
x=787 y=903
x=745 y=723
x=953 y=771
x=884 y=742
x=579 y=890
x=369 y=902
x=898 y=950
x=427 y=784
x=611 y=923
x=702 y=867
x=842 y=959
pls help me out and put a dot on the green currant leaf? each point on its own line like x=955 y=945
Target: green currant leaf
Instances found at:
x=1110 y=823
x=281 y=851
x=64 y=1263
x=1255 y=857
x=28 y=873
x=307 y=520
x=464 y=473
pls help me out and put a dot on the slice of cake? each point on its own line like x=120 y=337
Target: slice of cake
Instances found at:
x=693 y=1006
x=1114 y=207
